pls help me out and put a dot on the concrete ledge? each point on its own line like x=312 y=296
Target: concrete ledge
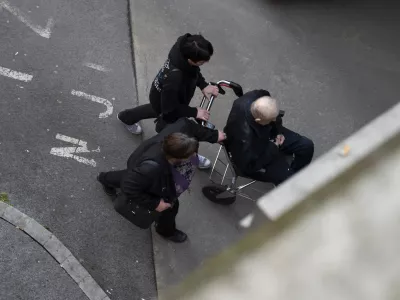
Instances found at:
x=335 y=222
x=332 y=165
x=72 y=266
x=92 y=290
x=55 y=248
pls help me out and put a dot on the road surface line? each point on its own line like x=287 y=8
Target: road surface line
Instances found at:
x=70 y=152
x=42 y=31
x=107 y=103
x=15 y=75
x=56 y=249
x=97 y=67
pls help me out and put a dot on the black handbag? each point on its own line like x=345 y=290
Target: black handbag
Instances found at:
x=136 y=214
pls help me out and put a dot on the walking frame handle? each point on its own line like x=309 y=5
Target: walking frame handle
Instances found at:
x=237 y=89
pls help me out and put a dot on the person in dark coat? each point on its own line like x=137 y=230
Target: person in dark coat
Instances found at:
x=159 y=170
x=174 y=86
x=258 y=142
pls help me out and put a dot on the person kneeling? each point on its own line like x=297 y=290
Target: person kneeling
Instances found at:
x=158 y=171
x=258 y=142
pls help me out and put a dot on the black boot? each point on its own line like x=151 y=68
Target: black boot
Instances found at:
x=110 y=191
x=177 y=237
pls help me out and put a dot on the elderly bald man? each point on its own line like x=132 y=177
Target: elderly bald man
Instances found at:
x=258 y=142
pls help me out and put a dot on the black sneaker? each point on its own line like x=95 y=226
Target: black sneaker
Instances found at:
x=177 y=237
x=110 y=191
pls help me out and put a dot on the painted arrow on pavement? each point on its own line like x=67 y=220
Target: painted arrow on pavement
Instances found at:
x=42 y=31
x=70 y=152
x=96 y=99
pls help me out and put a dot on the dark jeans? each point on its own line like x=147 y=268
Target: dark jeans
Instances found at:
x=165 y=225
x=151 y=110
x=133 y=115
x=279 y=169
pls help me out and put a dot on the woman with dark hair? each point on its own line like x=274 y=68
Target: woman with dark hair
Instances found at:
x=159 y=170
x=174 y=86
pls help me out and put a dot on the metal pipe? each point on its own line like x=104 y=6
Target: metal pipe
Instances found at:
x=230 y=162
x=203 y=101
x=215 y=162
x=223 y=177
x=245 y=185
x=210 y=103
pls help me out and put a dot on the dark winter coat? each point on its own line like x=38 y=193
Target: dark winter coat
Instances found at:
x=249 y=142
x=147 y=183
x=175 y=84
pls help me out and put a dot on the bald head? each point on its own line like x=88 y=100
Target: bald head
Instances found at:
x=265 y=110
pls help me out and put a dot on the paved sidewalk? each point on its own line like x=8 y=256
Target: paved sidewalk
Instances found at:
x=326 y=61
x=34 y=264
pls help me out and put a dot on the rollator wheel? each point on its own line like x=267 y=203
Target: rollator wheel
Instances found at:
x=218 y=194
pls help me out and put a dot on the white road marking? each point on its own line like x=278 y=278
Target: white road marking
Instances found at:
x=107 y=103
x=15 y=75
x=97 y=67
x=69 y=152
x=42 y=31
x=247 y=221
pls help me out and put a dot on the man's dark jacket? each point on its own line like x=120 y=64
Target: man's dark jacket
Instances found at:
x=147 y=183
x=175 y=84
x=248 y=142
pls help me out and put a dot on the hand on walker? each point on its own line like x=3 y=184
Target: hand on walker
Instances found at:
x=163 y=206
x=211 y=90
x=221 y=136
x=280 y=139
x=202 y=114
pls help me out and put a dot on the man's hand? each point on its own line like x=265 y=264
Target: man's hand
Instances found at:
x=210 y=90
x=202 y=114
x=221 y=136
x=280 y=139
x=163 y=206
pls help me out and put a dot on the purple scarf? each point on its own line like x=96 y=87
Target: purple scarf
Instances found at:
x=183 y=174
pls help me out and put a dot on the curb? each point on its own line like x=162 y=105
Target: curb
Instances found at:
x=142 y=88
x=55 y=248
x=139 y=67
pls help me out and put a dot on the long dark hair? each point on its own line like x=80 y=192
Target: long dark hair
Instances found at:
x=179 y=145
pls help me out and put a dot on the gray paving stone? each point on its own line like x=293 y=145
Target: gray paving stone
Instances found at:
x=3 y=207
x=15 y=217
x=57 y=249
x=92 y=289
x=37 y=232
x=72 y=266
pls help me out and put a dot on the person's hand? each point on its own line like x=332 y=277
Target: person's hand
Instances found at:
x=279 y=140
x=202 y=114
x=210 y=90
x=221 y=136
x=163 y=206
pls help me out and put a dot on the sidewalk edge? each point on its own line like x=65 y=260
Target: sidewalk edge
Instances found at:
x=55 y=248
x=140 y=69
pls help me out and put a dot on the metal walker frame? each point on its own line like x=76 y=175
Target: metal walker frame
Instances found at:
x=232 y=188
x=218 y=192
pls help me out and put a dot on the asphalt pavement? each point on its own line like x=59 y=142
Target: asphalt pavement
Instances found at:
x=29 y=272
x=66 y=70
x=333 y=65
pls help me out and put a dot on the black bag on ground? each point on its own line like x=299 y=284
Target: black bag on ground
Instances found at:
x=134 y=213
